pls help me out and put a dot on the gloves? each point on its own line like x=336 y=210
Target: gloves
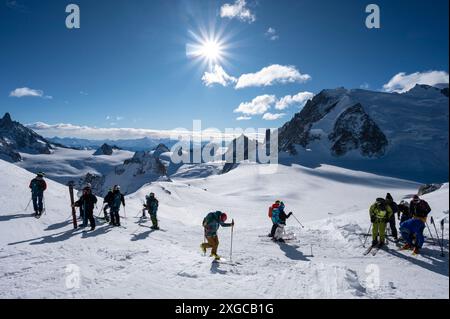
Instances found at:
x=232 y=222
x=290 y=214
x=373 y=219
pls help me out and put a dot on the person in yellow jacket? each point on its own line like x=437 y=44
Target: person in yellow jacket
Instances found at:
x=380 y=214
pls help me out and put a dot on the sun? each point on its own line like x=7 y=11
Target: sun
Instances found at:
x=209 y=48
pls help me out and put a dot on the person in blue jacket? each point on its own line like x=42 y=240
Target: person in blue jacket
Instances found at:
x=412 y=232
x=279 y=218
x=211 y=224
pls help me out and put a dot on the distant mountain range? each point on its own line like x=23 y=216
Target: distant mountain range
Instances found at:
x=398 y=135
x=134 y=145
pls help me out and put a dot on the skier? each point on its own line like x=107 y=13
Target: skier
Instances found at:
x=117 y=199
x=380 y=214
x=279 y=219
x=211 y=224
x=392 y=223
x=403 y=208
x=412 y=232
x=107 y=203
x=419 y=208
x=412 y=229
x=151 y=206
x=271 y=209
x=38 y=187
x=87 y=201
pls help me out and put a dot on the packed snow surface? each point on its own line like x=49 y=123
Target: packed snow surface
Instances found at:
x=41 y=258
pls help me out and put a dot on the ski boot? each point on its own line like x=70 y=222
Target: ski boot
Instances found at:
x=216 y=257
x=416 y=250
x=407 y=247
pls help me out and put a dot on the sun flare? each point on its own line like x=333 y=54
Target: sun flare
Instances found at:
x=208 y=48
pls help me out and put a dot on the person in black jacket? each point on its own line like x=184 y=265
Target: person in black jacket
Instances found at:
x=392 y=222
x=107 y=203
x=117 y=199
x=87 y=201
x=403 y=209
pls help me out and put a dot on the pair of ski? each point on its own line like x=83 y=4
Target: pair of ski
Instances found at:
x=373 y=250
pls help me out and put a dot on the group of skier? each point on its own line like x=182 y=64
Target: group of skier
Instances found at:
x=412 y=216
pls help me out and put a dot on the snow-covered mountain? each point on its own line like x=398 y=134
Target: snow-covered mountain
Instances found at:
x=46 y=258
x=105 y=149
x=143 y=168
x=16 y=138
x=402 y=135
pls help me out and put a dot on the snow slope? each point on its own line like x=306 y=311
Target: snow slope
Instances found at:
x=64 y=164
x=133 y=262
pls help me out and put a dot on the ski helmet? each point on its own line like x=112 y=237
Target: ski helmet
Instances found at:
x=116 y=187
x=152 y=194
x=223 y=217
x=88 y=185
x=416 y=198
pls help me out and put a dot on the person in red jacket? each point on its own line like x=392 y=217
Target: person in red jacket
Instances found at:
x=275 y=205
x=38 y=187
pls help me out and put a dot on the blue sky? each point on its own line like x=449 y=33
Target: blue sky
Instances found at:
x=127 y=65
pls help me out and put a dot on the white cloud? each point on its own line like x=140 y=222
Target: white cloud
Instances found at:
x=238 y=10
x=299 y=99
x=84 y=93
x=364 y=86
x=403 y=82
x=271 y=75
x=271 y=33
x=243 y=118
x=272 y=117
x=259 y=105
x=115 y=133
x=217 y=76
x=23 y=92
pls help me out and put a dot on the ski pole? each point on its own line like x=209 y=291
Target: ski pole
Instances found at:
x=431 y=234
x=441 y=242
x=231 y=246
x=298 y=220
x=124 y=212
x=28 y=204
x=368 y=234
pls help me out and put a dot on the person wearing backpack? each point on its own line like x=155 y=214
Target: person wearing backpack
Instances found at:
x=87 y=201
x=392 y=222
x=211 y=224
x=271 y=209
x=279 y=218
x=38 y=187
x=107 y=203
x=380 y=214
x=403 y=209
x=117 y=200
x=412 y=229
x=151 y=206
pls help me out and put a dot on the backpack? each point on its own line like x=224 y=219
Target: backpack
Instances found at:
x=271 y=208
x=117 y=199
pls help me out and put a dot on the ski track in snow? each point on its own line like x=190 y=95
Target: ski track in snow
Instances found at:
x=323 y=261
